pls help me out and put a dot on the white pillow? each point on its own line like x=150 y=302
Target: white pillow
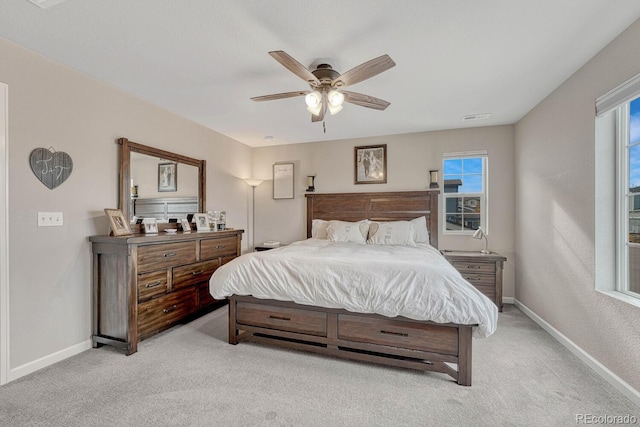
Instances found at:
x=391 y=233
x=319 y=228
x=344 y=231
x=421 y=232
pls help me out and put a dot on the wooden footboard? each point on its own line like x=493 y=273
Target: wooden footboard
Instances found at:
x=401 y=342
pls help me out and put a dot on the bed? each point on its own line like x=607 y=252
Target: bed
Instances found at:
x=275 y=298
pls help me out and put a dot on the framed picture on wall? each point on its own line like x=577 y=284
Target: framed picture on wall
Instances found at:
x=167 y=177
x=371 y=164
x=283 y=181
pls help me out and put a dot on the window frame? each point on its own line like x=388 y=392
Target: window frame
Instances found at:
x=483 y=195
x=613 y=142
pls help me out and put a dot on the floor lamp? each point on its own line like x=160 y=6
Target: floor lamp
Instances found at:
x=253 y=183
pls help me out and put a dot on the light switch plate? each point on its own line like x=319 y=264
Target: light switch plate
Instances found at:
x=50 y=219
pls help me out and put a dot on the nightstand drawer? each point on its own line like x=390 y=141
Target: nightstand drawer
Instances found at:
x=479 y=279
x=475 y=267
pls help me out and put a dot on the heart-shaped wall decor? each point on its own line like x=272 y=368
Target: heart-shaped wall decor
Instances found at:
x=51 y=167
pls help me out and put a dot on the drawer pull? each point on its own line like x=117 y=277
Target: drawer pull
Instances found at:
x=152 y=285
x=271 y=316
x=221 y=246
x=473 y=266
x=197 y=273
x=170 y=309
x=398 y=334
x=170 y=254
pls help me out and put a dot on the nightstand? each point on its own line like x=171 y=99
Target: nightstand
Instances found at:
x=484 y=271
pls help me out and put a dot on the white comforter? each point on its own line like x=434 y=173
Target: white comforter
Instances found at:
x=414 y=282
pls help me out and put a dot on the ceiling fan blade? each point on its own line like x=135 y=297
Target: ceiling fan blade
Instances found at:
x=279 y=96
x=364 y=71
x=365 y=100
x=320 y=116
x=295 y=67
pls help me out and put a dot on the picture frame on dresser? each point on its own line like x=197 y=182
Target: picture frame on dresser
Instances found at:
x=186 y=227
x=202 y=222
x=119 y=225
x=150 y=226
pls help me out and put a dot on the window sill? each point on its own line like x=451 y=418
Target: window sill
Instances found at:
x=622 y=297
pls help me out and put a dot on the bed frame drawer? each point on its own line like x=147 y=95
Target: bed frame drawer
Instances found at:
x=395 y=333
x=155 y=257
x=282 y=318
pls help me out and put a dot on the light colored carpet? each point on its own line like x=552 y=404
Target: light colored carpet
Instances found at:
x=190 y=376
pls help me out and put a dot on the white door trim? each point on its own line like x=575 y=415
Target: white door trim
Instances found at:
x=4 y=231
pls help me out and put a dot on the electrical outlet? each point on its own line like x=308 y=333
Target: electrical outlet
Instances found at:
x=49 y=219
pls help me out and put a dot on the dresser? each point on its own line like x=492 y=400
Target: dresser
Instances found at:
x=484 y=271
x=144 y=284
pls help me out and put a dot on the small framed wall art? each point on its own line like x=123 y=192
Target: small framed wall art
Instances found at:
x=371 y=164
x=283 y=181
x=119 y=225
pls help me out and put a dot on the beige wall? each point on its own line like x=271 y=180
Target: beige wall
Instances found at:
x=410 y=157
x=555 y=214
x=50 y=267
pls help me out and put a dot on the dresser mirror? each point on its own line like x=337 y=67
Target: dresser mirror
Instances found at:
x=154 y=182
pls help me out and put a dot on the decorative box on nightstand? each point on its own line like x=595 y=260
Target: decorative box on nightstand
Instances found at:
x=484 y=271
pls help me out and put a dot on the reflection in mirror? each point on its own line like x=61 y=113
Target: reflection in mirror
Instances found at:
x=159 y=184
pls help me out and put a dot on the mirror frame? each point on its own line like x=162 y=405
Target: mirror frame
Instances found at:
x=127 y=147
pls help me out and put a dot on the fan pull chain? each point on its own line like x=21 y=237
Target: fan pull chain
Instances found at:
x=324 y=127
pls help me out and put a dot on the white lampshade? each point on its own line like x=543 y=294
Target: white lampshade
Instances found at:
x=335 y=98
x=253 y=182
x=314 y=102
x=479 y=234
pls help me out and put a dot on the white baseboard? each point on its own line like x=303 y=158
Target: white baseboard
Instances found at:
x=508 y=300
x=45 y=361
x=599 y=368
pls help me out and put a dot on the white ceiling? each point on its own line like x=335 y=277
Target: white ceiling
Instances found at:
x=204 y=59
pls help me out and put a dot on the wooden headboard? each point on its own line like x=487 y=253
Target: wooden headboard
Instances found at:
x=387 y=206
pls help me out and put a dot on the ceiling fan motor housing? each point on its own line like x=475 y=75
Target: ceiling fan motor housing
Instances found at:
x=325 y=73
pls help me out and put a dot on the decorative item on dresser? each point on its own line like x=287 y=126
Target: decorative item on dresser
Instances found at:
x=145 y=284
x=484 y=271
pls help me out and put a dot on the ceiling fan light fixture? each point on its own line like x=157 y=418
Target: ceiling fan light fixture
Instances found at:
x=313 y=99
x=335 y=98
x=334 y=109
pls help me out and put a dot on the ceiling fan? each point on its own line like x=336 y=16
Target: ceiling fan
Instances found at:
x=326 y=85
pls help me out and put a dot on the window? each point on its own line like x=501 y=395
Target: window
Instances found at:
x=618 y=173
x=465 y=192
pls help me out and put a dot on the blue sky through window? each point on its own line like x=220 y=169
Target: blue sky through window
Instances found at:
x=469 y=172
x=634 y=150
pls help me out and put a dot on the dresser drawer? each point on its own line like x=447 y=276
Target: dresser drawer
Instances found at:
x=215 y=248
x=480 y=279
x=282 y=318
x=155 y=257
x=160 y=313
x=152 y=284
x=475 y=267
x=191 y=274
x=395 y=333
